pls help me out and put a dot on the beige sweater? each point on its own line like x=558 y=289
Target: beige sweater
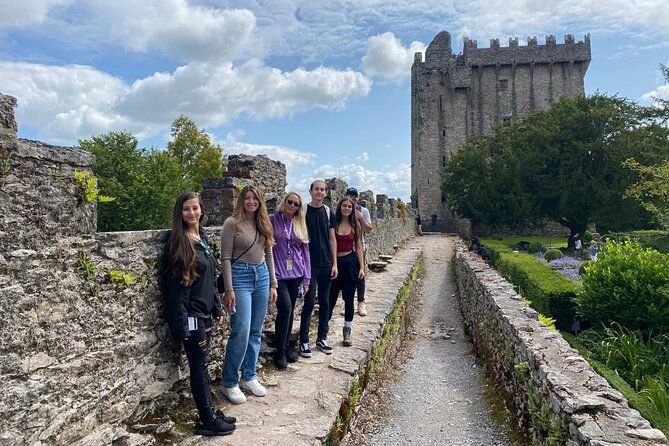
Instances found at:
x=234 y=241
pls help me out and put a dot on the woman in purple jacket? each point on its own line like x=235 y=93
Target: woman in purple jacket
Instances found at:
x=293 y=270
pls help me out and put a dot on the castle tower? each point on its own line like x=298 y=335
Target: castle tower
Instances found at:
x=454 y=97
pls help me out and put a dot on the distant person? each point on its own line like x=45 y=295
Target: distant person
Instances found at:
x=474 y=243
x=593 y=249
x=293 y=270
x=365 y=220
x=349 y=262
x=249 y=282
x=192 y=307
x=323 y=255
x=434 y=223
x=578 y=245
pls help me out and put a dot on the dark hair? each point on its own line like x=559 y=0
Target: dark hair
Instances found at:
x=352 y=219
x=318 y=181
x=180 y=251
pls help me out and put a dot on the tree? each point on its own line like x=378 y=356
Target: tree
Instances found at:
x=145 y=183
x=193 y=149
x=563 y=163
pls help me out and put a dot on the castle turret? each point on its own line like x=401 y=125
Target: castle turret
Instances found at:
x=439 y=50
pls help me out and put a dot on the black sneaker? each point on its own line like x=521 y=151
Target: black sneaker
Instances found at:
x=291 y=356
x=222 y=416
x=305 y=351
x=280 y=360
x=216 y=427
x=323 y=346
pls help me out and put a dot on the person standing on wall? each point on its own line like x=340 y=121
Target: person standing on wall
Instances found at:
x=293 y=270
x=323 y=254
x=365 y=220
x=188 y=278
x=349 y=262
x=249 y=281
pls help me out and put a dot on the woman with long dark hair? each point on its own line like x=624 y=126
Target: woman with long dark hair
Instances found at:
x=249 y=282
x=192 y=306
x=293 y=270
x=349 y=260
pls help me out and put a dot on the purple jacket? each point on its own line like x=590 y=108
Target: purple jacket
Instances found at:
x=299 y=251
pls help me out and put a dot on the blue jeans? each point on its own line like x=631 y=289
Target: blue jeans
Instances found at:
x=251 y=285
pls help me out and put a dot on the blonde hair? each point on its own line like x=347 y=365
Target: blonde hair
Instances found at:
x=261 y=217
x=299 y=223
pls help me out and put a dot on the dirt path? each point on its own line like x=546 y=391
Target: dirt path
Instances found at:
x=438 y=398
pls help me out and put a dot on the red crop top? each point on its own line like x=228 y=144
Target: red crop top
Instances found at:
x=345 y=242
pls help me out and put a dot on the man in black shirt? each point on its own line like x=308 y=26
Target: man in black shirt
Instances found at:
x=323 y=253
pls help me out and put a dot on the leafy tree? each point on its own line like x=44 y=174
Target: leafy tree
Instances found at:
x=193 y=149
x=563 y=163
x=144 y=183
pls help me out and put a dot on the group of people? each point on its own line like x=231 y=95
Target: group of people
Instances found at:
x=266 y=259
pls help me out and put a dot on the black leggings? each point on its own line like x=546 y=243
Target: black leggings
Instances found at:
x=197 y=351
x=346 y=281
x=285 y=304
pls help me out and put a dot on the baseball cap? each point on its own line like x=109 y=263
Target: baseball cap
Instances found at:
x=352 y=192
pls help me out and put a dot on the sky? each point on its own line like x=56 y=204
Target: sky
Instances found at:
x=321 y=85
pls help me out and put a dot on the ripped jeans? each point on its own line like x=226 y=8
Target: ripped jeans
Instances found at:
x=197 y=351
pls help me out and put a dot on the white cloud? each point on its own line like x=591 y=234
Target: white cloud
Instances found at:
x=387 y=57
x=71 y=102
x=364 y=157
x=174 y=27
x=661 y=92
x=290 y=157
x=395 y=181
x=25 y=12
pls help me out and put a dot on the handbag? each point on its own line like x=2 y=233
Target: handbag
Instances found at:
x=220 y=280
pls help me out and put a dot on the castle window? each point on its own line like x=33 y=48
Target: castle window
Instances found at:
x=443 y=132
x=443 y=199
x=443 y=161
x=506 y=119
x=503 y=84
x=441 y=104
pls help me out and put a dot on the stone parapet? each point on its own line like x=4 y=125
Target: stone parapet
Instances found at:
x=554 y=390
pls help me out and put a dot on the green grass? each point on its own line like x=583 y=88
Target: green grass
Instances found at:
x=550 y=293
x=637 y=400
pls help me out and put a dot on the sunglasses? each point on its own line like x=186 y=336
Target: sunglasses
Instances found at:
x=293 y=203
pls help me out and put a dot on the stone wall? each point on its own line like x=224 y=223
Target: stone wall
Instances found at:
x=84 y=351
x=554 y=390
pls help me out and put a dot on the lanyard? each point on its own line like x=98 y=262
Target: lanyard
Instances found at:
x=288 y=230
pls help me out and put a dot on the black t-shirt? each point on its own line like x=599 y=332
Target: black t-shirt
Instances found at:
x=318 y=226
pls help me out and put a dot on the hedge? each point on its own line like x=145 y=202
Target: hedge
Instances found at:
x=550 y=292
x=658 y=240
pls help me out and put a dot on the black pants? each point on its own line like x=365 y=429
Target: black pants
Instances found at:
x=346 y=282
x=360 y=288
x=285 y=304
x=320 y=283
x=197 y=351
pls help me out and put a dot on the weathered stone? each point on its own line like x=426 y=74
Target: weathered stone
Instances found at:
x=505 y=332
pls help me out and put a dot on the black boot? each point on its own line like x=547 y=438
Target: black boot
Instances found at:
x=221 y=415
x=280 y=360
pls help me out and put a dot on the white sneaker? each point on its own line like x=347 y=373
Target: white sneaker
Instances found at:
x=234 y=395
x=362 y=309
x=254 y=387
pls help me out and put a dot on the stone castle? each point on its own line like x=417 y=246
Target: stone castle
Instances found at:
x=454 y=97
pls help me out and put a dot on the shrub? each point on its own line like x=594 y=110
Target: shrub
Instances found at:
x=629 y=285
x=536 y=247
x=587 y=238
x=583 y=266
x=551 y=293
x=658 y=240
x=553 y=254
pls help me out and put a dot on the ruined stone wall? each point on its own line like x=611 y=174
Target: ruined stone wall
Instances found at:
x=455 y=97
x=84 y=351
x=554 y=390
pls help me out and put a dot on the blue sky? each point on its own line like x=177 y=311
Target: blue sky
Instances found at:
x=321 y=85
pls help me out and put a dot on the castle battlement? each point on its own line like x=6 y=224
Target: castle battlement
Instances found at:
x=513 y=54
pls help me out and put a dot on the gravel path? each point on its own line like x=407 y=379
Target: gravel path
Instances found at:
x=439 y=399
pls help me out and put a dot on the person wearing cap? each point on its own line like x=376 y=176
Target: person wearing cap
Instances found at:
x=362 y=213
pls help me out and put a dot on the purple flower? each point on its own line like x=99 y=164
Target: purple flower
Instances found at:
x=565 y=262
x=570 y=273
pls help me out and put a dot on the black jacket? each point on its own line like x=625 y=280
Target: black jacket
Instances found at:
x=198 y=300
